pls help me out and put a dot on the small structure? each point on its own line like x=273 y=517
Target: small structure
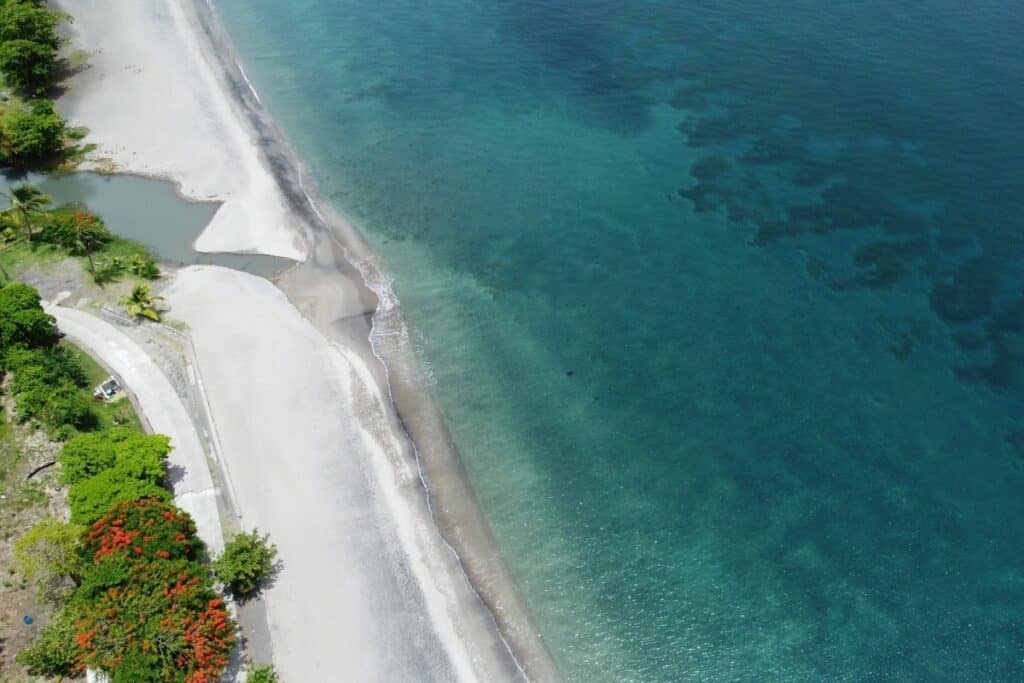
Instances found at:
x=107 y=390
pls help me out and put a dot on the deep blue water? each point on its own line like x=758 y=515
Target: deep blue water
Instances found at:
x=723 y=303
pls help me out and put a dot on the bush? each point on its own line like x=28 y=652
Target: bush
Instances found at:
x=47 y=386
x=22 y=319
x=46 y=365
x=141 y=456
x=262 y=674
x=246 y=561
x=35 y=133
x=143 y=266
x=48 y=554
x=61 y=408
x=90 y=498
x=53 y=653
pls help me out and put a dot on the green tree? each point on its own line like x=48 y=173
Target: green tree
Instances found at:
x=28 y=66
x=33 y=133
x=48 y=554
x=29 y=21
x=80 y=232
x=141 y=456
x=46 y=365
x=47 y=387
x=141 y=304
x=22 y=319
x=25 y=201
x=247 y=560
x=62 y=409
x=158 y=621
x=90 y=498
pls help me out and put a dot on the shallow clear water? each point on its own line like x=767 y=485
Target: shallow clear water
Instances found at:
x=723 y=303
x=150 y=212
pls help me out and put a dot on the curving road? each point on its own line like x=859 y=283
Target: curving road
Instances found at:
x=193 y=485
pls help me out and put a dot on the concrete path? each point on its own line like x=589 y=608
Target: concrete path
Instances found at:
x=193 y=486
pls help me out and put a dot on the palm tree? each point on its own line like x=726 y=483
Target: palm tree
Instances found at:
x=141 y=303
x=25 y=200
x=87 y=237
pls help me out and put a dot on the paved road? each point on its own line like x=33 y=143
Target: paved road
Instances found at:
x=193 y=486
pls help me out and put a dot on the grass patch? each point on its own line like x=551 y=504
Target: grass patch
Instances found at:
x=118 y=413
x=113 y=261
x=17 y=255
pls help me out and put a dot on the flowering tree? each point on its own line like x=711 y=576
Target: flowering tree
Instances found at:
x=145 y=529
x=164 y=623
x=147 y=609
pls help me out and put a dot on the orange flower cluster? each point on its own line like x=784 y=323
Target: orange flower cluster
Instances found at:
x=209 y=635
x=146 y=527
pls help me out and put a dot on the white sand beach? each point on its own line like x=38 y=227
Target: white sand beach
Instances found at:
x=348 y=599
x=154 y=106
x=368 y=589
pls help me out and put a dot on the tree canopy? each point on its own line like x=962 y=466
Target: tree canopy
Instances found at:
x=34 y=132
x=140 y=456
x=22 y=319
x=29 y=21
x=28 y=45
x=91 y=497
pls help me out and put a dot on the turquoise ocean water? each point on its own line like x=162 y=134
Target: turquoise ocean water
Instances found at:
x=723 y=304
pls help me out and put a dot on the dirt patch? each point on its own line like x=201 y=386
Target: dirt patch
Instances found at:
x=23 y=502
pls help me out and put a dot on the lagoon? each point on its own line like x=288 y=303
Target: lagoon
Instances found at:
x=151 y=212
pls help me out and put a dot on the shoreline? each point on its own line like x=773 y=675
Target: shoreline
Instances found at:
x=451 y=503
x=339 y=289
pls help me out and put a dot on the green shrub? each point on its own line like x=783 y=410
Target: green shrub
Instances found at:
x=262 y=674
x=61 y=409
x=246 y=561
x=143 y=266
x=34 y=133
x=48 y=554
x=22 y=319
x=44 y=365
x=141 y=456
x=53 y=652
x=90 y=498
x=47 y=387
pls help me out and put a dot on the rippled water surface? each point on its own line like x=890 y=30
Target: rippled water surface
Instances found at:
x=723 y=303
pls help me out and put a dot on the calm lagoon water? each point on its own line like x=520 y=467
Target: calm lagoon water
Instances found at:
x=150 y=212
x=723 y=304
